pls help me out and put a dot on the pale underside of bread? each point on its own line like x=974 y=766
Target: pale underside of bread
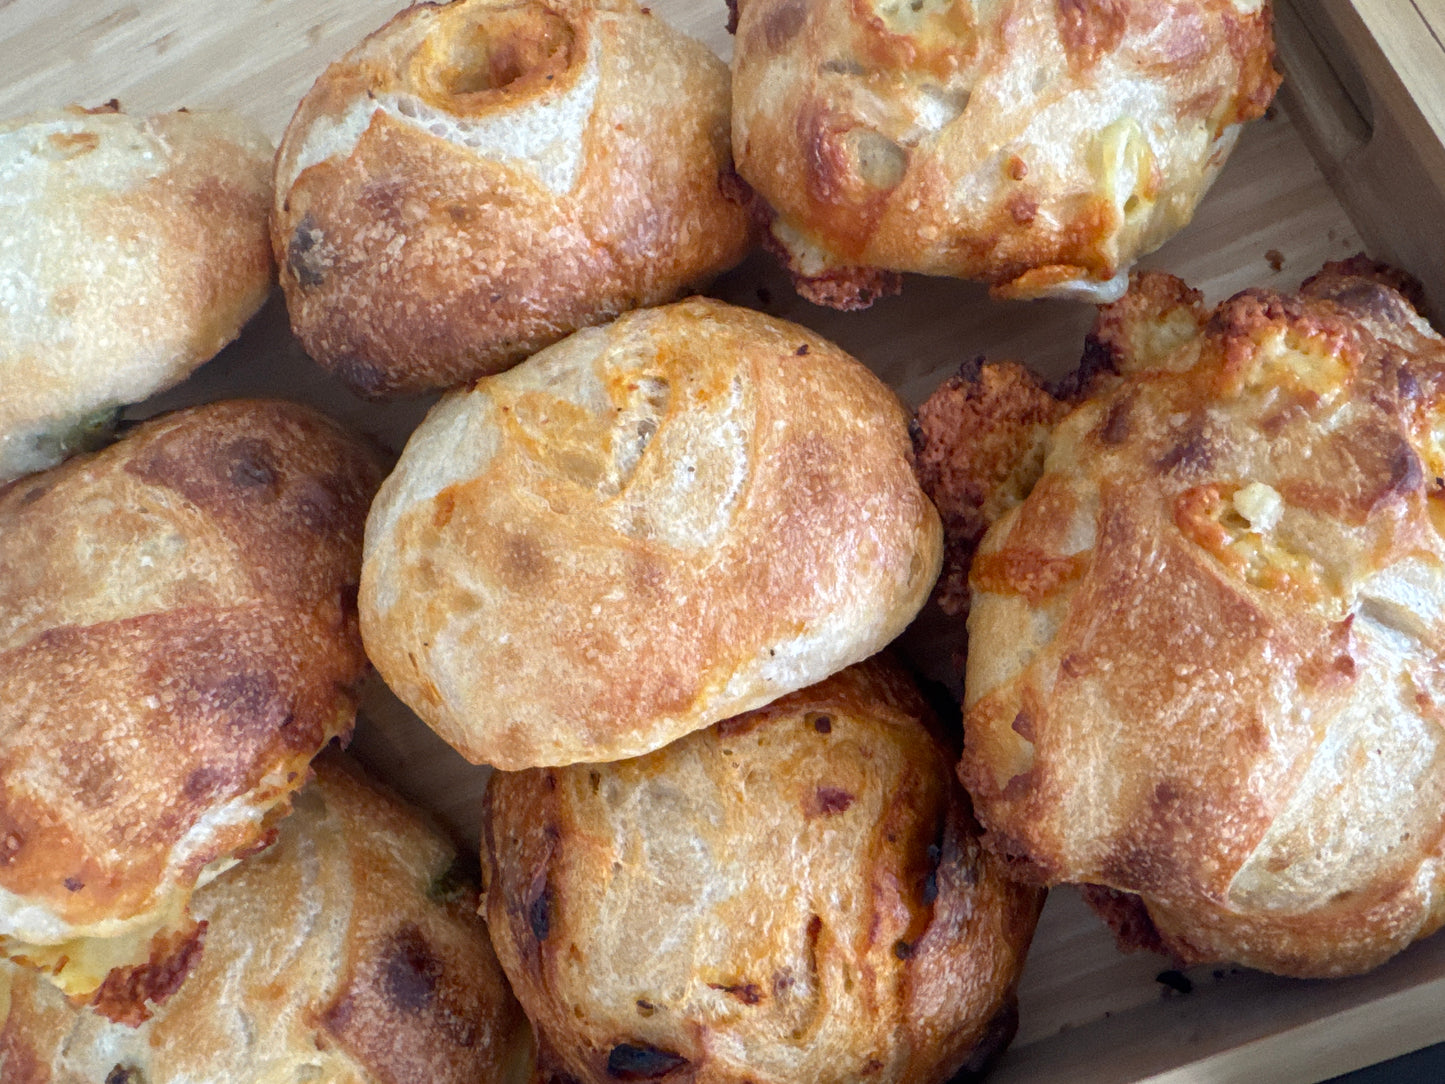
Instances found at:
x=478 y=180
x=1038 y=147
x=641 y=531
x=794 y=894
x=177 y=639
x=1203 y=661
x=135 y=249
x=347 y=952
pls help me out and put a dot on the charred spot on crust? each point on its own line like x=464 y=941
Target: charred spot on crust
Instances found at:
x=411 y=971
x=539 y=914
x=782 y=23
x=828 y=801
x=303 y=259
x=640 y=1061
x=127 y=993
x=746 y=992
x=732 y=24
x=1176 y=981
x=903 y=949
x=124 y=1074
x=366 y=378
x=822 y=723
x=248 y=463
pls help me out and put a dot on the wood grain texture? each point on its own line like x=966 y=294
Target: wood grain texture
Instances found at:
x=1088 y=1013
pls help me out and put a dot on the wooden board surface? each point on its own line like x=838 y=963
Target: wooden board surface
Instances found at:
x=1088 y=1013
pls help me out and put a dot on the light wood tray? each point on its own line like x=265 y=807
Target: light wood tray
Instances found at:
x=1088 y=1013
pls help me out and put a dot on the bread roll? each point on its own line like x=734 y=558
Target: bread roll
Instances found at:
x=643 y=530
x=135 y=248
x=1204 y=653
x=178 y=638
x=348 y=952
x=1037 y=145
x=793 y=896
x=478 y=179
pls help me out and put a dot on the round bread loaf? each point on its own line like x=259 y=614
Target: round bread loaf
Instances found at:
x=1037 y=145
x=1204 y=653
x=178 y=638
x=793 y=896
x=643 y=530
x=135 y=248
x=478 y=179
x=349 y=952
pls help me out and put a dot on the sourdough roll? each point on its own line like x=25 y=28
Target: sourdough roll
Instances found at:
x=134 y=249
x=349 y=952
x=793 y=896
x=178 y=638
x=1037 y=145
x=1204 y=652
x=478 y=179
x=643 y=530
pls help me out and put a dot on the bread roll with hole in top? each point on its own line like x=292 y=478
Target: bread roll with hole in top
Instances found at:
x=1036 y=145
x=178 y=638
x=793 y=896
x=642 y=530
x=478 y=179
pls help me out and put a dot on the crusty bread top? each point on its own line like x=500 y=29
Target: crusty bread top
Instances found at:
x=1039 y=146
x=478 y=179
x=177 y=639
x=348 y=952
x=1204 y=653
x=135 y=248
x=796 y=894
x=640 y=531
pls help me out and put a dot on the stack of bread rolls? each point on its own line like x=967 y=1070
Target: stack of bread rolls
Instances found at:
x=647 y=553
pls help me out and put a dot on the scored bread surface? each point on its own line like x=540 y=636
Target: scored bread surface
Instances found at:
x=477 y=180
x=178 y=638
x=1204 y=654
x=640 y=531
x=796 y=894
x=348 y=952
x=135 y=248
x=1037 y=145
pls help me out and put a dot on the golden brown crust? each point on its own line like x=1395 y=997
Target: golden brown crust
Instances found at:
x=178 y=638
x=793 y=894
x=135 y=249
x=640 y=531
x=347 y=952
x=477 y=180
x=1037 y=145
x=1205 y=652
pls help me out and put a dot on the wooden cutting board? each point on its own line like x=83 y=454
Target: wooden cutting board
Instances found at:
x=1088 y=1013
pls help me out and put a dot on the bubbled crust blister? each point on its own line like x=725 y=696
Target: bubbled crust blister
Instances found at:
x=135 y=248
x=1205 y=653
x=479 y=179
x=348 y=952
x=178 y=638
x=1037 y=145
x=796 y=894
x=641 y=531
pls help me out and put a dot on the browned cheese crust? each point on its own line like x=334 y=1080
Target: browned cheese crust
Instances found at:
x=178 y=638
x=135 y=248
x=641 y=531
x=1205 y=654
x=1037 y=145
x=477 y=180
x=796 y=894
x=349 y=952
